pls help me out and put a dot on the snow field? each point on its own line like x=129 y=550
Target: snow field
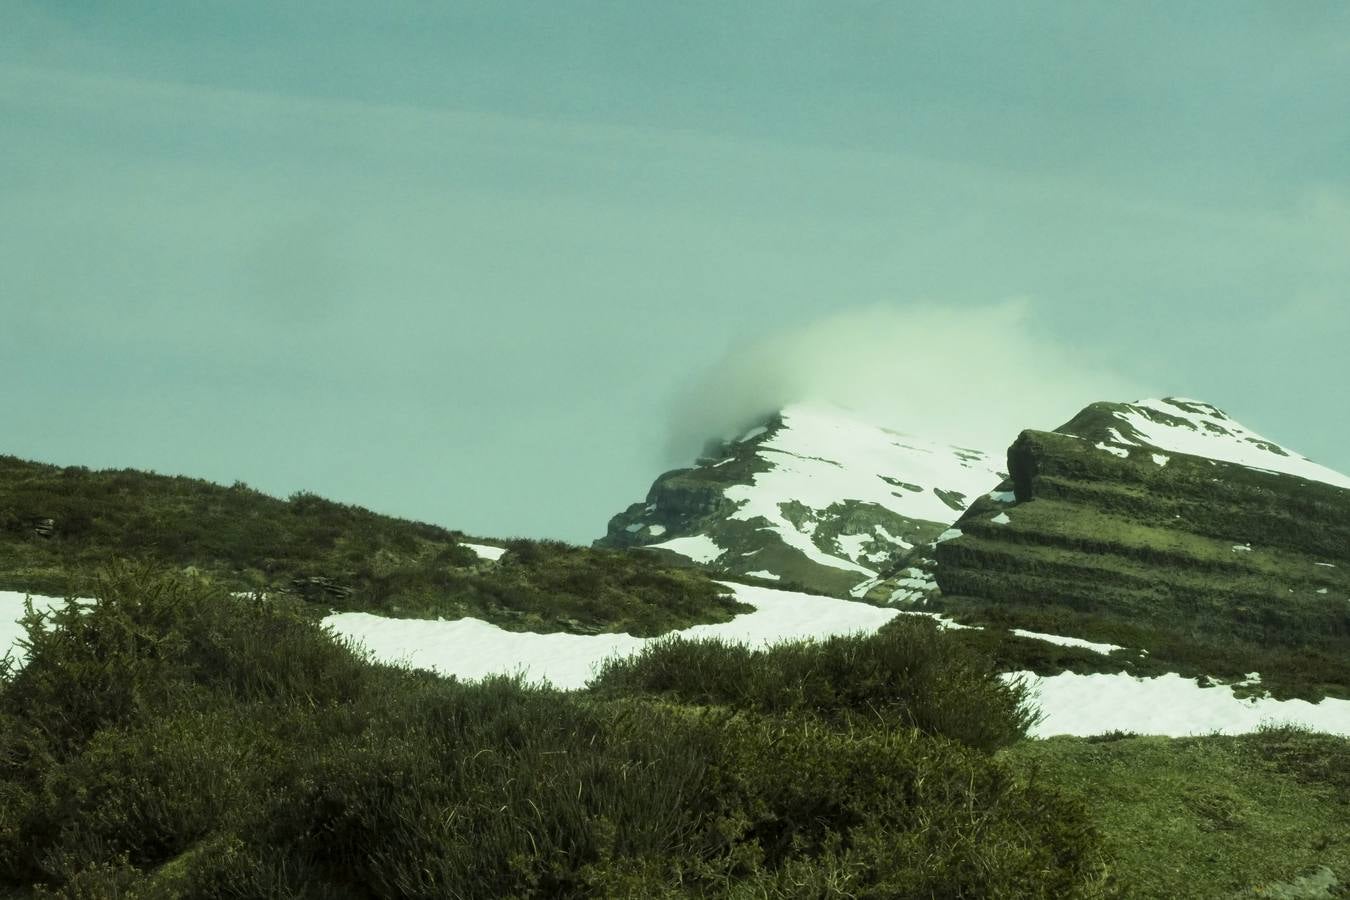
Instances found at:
x=823 y=456
x=1207 y=432
x=699 y=547
x=471 y=648
x=1169 y=704
x=1071 y=704
x=486 y=552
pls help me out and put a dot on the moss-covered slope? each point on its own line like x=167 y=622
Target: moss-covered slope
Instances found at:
x=59 y=526
x=1212 y=567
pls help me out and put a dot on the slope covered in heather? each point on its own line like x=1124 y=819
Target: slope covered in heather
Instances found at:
x=60 y=526
x=1167 y=528
x=814 y=497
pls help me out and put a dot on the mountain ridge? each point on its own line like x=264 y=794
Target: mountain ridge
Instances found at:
x=817 y=496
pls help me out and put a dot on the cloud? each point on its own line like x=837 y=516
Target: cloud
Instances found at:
x=974 y=376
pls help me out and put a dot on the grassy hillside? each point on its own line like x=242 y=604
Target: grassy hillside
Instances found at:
x=1212 y=568
x=175 y=741
x=1261 y=815
x=59 y=525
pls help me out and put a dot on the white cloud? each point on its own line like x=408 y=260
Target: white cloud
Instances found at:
x=973 y=375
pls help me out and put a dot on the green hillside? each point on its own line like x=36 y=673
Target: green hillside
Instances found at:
x=58 y=526
x=176 y=741
x=1212 y=568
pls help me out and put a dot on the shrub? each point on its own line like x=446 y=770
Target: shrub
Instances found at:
x=906 y=674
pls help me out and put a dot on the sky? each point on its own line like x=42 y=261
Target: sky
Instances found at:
x=496 y=265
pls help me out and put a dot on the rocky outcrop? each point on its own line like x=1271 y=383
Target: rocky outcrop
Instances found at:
x=1222 y=566
x=318 y=589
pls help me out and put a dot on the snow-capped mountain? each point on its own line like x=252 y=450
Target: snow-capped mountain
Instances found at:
x=815 y=496
x=1178 y=425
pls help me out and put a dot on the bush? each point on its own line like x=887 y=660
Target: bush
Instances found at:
x=907 y=674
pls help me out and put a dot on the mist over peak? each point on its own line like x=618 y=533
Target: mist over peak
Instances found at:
x=974 y=376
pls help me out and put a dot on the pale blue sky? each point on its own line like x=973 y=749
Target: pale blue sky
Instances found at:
x=462 y=261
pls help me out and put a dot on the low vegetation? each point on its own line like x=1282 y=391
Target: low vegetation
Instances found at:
x=906 y=674
x=1259 y=815
x=59 y=526
x=172 y=740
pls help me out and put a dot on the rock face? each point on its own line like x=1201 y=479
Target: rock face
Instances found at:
x=1165 y=526
x=813 y=497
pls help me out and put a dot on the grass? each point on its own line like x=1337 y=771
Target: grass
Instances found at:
x=1207 y=817
x=244 y=540
x=174 y=741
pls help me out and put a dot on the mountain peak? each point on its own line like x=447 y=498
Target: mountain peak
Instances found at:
x=815 y=494
x=1195 y=428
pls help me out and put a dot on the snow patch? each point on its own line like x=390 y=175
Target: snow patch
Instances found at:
x=1117 y=451
x=1066 y=641
x=1003 y=496
x=890 y=538
x=1161 y=459
x=485 y=551
x=950 y=534
x=11 y=610
x=1242 y=548
x=943 y=622
x=823 y=456
x=861 y=588
x=852 y=544
x=471 y=648
x=1167 y=705
x=656 y=530
x=1001 y=519
x=763 y=574
x=1198 y=429
x=699 y=547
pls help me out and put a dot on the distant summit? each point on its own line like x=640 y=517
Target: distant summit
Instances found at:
x=814 y=496
x=1177 y=425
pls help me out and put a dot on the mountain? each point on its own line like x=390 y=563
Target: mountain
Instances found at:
x=814 y=497
x=1167 y=527
x=1141 y=539
x=815 y=745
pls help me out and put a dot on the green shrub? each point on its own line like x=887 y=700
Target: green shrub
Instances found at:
x=907 y=674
